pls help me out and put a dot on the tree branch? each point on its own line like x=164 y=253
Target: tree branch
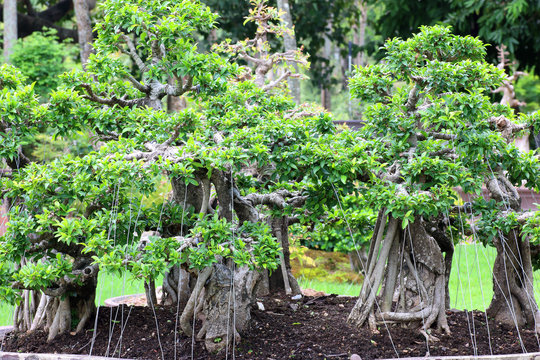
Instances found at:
x=132 y=51
x=276 y=82
x=109 y=101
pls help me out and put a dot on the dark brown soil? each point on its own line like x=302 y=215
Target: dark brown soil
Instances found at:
x=311 y=328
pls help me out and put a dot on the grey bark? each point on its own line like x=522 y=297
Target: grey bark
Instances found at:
x=360 y=35
x=175 y=103
x=289 y=41
x=513 y=300
x=84 y=29
x=10 y=28
x=229 y=312
x=372 y=281
x=420 y=294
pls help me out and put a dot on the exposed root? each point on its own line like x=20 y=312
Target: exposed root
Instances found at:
x=364 y=304
x=187 y=315
x=41 y=313
x=86 y=308
x=62 y=319
x=167 y=289
x=429 y=337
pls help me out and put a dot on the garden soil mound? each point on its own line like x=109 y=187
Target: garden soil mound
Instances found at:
x=310 y=328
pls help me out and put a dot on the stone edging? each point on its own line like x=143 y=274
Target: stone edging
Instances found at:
x=25 y=356
x=525 y=356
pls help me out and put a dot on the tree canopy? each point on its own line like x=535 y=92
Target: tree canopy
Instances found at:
x=432 y=128
x=512 y=23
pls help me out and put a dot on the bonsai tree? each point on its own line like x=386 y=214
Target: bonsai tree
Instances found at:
x=430 y=129
x=243 y=163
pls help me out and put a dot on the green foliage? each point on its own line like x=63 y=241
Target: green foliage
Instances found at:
x=21 y=114
x=528 y=90
x=345 y=229
x=42 y=58
x=88 y=210
x=495 y=22
x=432 y=128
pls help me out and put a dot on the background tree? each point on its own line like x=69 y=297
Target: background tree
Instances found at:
x=10 y=27
x=84 y=28
x=42 y=58
x=511 y=23
x=289 y=43
x=315 y=23
x=34 y=16
x=435 y=132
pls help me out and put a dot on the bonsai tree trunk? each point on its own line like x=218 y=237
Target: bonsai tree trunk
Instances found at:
x=410 y=270
x=513 y=300
x=228 y=299
x=220 y=295
x=56 y=309
x=283 y=277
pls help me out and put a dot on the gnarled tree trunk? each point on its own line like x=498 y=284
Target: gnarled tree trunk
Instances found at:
x=410 y=270
x=54 y=314
x=513 y=300
x=228 y=299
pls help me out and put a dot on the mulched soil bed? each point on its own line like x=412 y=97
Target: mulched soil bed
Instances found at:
x=311 y=328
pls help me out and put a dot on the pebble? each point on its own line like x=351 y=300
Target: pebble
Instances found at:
x=260 y=305
x=296 y=297
x=355 y=357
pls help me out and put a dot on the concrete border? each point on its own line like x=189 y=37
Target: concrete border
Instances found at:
x=26 y=356
x=525 y=356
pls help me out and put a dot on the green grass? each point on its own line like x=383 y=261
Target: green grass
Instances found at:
x=109 y=286
x=6 y=314
x=470 y=286
x=470 y=283
x=330 y=288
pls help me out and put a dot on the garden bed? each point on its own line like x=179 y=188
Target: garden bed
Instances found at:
x=310 y=328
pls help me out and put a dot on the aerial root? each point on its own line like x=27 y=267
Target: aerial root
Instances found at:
x=86 y=308
x=62 y=319
x=367 y=298
x=167 y=289
x=39 y=318
x=189 y=310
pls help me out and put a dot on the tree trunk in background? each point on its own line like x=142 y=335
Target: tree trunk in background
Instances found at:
x=84 y=29
x=289 y=41
x=10 y=27
x=360 y=35
x=325 y=90
x=326 y=100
